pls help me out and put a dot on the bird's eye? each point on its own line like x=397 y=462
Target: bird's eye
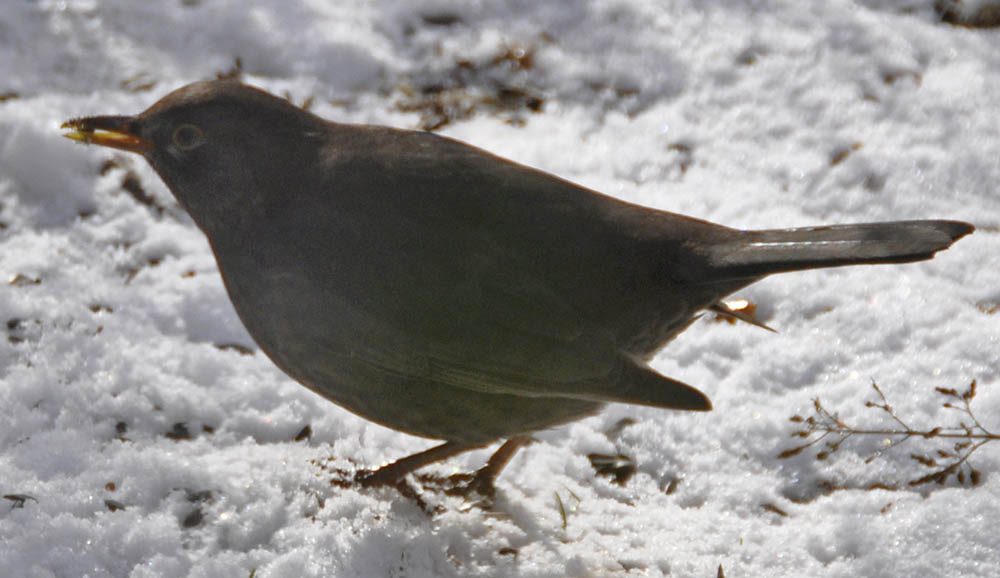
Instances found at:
x=188 y=136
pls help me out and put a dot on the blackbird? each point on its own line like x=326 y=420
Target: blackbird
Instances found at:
x=435 y=288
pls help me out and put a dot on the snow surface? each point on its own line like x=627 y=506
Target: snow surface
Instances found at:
x=769 y=113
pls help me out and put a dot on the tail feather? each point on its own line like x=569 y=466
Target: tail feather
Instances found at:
x=760 y=253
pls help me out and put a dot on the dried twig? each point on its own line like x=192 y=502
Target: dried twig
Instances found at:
x=969 y=433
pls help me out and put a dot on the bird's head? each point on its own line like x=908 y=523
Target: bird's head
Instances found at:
x=215 y=144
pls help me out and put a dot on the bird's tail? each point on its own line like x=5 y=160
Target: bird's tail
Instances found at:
x=760 y=253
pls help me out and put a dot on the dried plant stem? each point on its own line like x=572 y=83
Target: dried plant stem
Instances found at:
x=972 y=435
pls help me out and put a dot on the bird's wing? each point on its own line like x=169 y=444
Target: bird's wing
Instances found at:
x=495 y=328
x=477 y=272
x=507 y=332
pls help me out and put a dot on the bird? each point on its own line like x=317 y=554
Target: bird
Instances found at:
x=440 y=290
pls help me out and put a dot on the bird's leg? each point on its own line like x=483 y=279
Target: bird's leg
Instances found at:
x=392 y=474
x=481 y=482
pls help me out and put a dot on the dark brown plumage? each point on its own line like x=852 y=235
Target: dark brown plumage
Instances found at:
x=432 y=287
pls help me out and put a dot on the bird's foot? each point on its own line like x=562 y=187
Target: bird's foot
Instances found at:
x=378 y=478
x=477 y=489
x=395 y=473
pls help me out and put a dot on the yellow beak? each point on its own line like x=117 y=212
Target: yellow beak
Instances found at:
x=110 y=131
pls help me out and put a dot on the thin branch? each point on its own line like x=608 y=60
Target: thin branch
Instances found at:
x=824 y=424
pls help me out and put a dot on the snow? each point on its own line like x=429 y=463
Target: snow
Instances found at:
x=769 y=113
